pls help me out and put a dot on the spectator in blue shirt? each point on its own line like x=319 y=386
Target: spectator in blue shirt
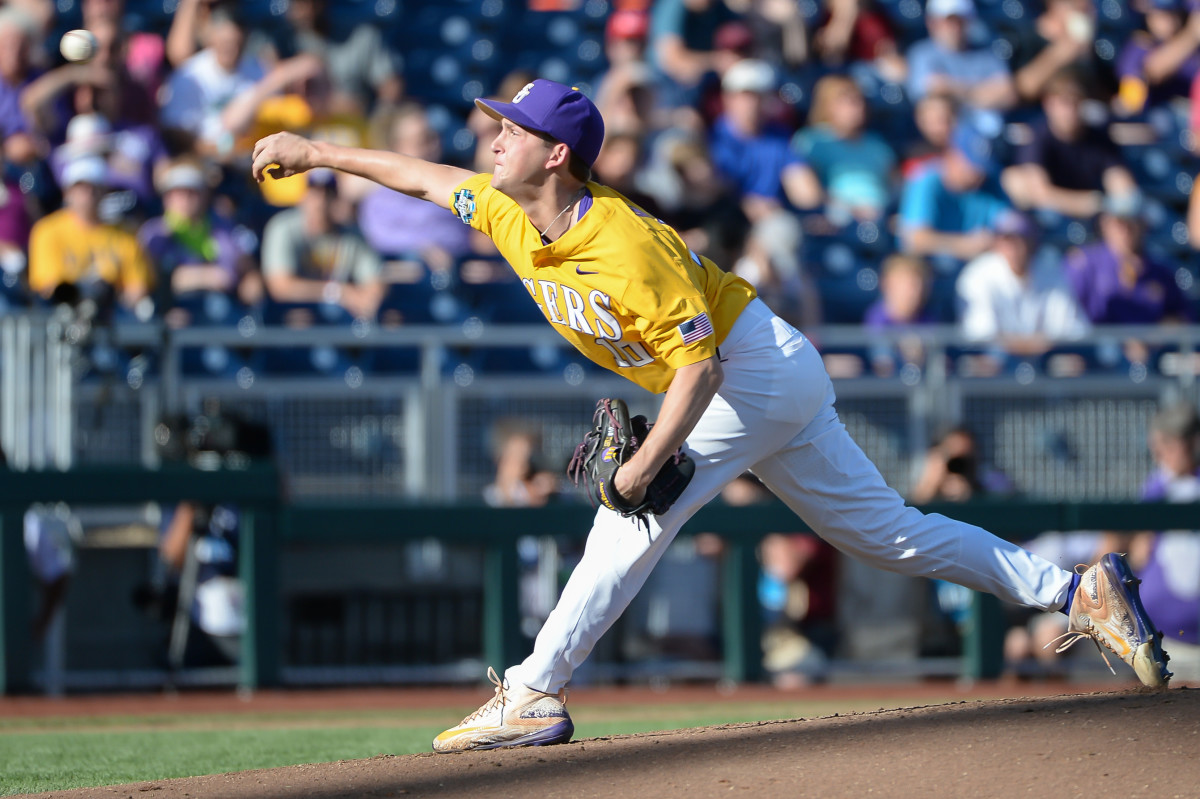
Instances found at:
x=949 y=210
x=846 y=167
x=946 y=63
x=750 y=152
x=683 y=42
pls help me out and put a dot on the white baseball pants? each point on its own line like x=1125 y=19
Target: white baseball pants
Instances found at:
x=774 y=415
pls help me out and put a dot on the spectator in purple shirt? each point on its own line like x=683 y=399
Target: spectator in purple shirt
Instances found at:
x=192 y=250
x=904 y=283
x=1168 y=562
x=15 y=73
x=1160 y=62
x=15 y=224
x=1175 y=446
x=1113 y=279
x=395 y=224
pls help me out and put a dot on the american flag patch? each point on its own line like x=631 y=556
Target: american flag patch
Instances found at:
x=696 y=328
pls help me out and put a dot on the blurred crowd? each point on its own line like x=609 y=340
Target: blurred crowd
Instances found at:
x=1020 y=168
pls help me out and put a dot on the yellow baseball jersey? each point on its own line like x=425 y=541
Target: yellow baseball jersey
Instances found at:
x=62 y=250
x=620 y=285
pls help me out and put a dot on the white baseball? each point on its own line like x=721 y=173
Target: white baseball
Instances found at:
x=78 y=45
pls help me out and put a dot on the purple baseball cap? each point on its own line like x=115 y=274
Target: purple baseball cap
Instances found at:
x=561 y=112
x=1016 y=224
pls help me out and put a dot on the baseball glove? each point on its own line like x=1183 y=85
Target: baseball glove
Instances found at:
x=610 y=443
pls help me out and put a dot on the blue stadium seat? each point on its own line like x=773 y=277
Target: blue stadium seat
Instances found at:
x=502 y=302
x=12 y=293
x=319 y=313
x=205 y=308
x=211 y=309
x=212 y=361
x=304 y=361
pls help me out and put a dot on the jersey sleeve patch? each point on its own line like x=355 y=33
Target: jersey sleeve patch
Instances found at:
x=464 y=205
x=696 y=328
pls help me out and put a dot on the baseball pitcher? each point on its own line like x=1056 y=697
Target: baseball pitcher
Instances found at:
x=744 y=390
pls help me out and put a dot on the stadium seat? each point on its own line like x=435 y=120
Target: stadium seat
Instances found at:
x=205 y=308
x=502 y=302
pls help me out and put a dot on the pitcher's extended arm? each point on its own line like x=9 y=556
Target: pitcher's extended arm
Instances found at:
x=282 y=155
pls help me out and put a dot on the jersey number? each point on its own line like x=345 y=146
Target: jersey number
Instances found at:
x=625 y=353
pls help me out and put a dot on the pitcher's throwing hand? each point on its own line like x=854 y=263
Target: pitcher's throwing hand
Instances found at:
x=282 y=155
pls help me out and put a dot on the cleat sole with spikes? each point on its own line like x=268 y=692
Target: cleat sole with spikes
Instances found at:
x=1149 y=661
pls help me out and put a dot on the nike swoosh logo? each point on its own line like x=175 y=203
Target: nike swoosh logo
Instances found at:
x=579 y=271
x=1102 y=617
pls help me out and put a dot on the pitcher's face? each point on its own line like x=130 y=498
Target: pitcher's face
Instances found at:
x=519 y=158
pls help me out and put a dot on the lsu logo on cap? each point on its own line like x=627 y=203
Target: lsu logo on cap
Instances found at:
x=464 y=205
x=521 y=95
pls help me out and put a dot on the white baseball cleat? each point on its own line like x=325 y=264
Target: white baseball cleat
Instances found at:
x=1107 y=608
x=515 y=716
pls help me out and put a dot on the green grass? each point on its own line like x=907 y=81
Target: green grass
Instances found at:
x=53 y=761
x=61 y=753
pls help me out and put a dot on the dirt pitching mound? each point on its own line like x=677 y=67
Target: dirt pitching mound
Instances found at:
x=1130 y=744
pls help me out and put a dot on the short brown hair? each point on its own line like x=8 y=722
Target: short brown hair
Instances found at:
x=906 y=263
x=576 y=166
x=828 y=89
x=579 y=169
x=1065 y=81
x=1177 y=421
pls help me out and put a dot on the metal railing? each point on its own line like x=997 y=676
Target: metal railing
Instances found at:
x=421 y=432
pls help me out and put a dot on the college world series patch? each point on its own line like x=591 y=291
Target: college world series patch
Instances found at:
x=464 y=205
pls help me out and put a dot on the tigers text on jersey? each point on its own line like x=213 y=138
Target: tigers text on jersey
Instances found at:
x=620 y=285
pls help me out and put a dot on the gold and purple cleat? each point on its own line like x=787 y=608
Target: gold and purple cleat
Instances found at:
x=1107 y=609
x=515 y=716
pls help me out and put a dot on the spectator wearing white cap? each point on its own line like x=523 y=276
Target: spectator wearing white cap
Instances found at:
x=1116 y=280
x=87 y=135
x=752 y=153
x=73 y=252
x=192 y=249
x=129 y=150
x=946 y=63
